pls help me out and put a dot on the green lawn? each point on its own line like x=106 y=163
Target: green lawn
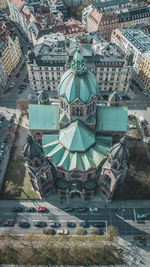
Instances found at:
x=16 y=179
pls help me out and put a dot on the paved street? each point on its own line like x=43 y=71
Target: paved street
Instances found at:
x=124 y=218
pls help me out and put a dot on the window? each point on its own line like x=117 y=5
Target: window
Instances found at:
x=46 y=73
x=46 y=68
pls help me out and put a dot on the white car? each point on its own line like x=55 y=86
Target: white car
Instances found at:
x=93 y=209
x=63 y=232
x=12 y=85
x=131 y=126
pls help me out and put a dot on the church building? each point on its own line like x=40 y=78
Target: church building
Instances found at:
x=77 y=144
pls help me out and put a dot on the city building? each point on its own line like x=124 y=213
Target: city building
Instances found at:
x=48 y=60
x=10 y=52
x=107 y=20
x=3 y=74
x=3 y=4
x=143 y=70
x=83 y=148
x=133 y=41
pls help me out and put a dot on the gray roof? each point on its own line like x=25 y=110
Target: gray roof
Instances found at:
x=32 y=149
x=43 y=96
x=114 y=99
x=120 y=151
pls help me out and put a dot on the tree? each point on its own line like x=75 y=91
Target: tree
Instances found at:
x=112 y=233
x=22 y=105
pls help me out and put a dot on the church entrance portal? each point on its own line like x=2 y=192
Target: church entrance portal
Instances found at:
x=75 y=194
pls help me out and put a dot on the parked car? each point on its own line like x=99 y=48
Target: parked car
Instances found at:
x=9 y=223
x=12 y=85
x=71 y=224
x=19 y=91
x=132 y=126
x=55 y=224
x=24 y=84
x=84 y=224
x=63 y=232
x=141 y=216
x=41 y=209
x=99 y=224
x=17 y=209
x=40 y=224
x=24 y=224
x=5 y=139
x=2 y=146
x=29 y=209
x=82 y=209
x=49 y=232
x=68 y=209
x=93 y=209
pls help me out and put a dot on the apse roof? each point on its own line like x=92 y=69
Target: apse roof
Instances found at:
x=83 y=161
x=43 y=117
x=112 y=118
x=76 y=137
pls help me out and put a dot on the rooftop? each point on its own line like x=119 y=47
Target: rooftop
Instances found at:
x=43 y=117
x=112 y=119
x=138 y=38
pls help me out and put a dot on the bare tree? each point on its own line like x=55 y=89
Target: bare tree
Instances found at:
x=22 y=105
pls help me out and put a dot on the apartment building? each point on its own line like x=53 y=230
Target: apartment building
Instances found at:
x=3 y=75
x=112 y=70
x=143 y=70
x=107 y=20
x=135 y=41
x=3 y=4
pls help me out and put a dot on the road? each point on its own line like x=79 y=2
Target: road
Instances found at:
x=123 y=218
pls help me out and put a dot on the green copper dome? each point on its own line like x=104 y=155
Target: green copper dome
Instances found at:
x=32 y=149
x=120 y=151
x=78 y=82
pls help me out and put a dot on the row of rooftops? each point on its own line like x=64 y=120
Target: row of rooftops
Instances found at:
x=46 y=54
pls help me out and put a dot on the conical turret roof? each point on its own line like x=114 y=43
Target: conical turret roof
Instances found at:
x=32 y=149
x=120 y=151
x=114 y=99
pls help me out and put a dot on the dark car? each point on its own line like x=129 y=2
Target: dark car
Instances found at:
x=99 y=224
x=30 y=209
x=49 y=232
x=55 y=224
x=17 y=75
x=71 y=224
x=68 y=209
x=84 y=224
x=17 y=209
x=82 y=209
x=9 y=223
x=19 y=91
x=24 y=84
x=24 y=224
x=40 y=224
x=5 y=139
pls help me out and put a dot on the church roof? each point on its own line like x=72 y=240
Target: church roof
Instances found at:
x=70 y=160
x=120 y=151
x=32 y=149
x=114 y=99
x=78 y=82
x=43 y=117
x=112 y=119
x=43 y=95
x=76 y=137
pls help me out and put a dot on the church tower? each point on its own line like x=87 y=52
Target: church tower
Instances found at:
x=78 y=93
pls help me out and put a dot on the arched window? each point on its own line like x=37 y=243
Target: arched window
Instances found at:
x=77 y=111
x=81 y=111
x=73 y=111
x=88 y=109
x=93 y=105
